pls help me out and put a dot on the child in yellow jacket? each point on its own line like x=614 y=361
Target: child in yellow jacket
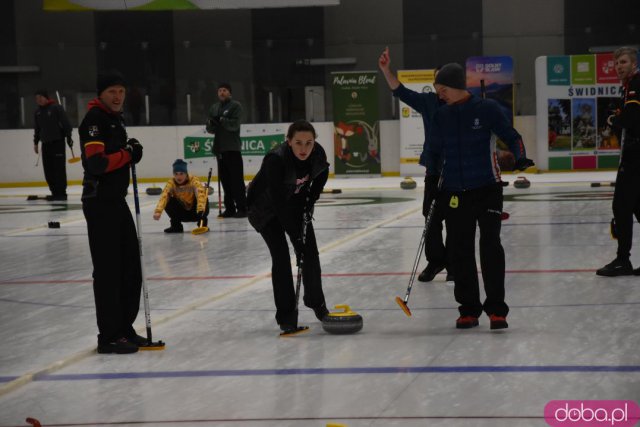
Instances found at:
x=184 y=199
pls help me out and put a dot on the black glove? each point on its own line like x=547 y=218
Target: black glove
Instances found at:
x=523 y=163
x=431 y=185
x=135 y=148
x=70 y=142
x=213 y=124
x=298 y=248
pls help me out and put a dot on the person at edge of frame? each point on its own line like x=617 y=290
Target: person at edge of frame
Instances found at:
x=288 y=184
x=106 y=157
x=52 y=127
x=425 y=103
x=462 y=149
x=626 y=197
x=224 y=122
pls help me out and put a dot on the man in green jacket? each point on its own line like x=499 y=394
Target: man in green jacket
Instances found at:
x=224 y=123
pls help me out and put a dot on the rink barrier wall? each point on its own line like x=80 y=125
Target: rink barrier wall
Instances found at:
x=164 y=144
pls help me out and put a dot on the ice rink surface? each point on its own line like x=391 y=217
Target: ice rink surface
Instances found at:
x=572 y=335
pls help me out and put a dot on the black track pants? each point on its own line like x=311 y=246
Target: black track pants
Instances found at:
x=54 y=165
x=178 y=214
x=117 y=277
x=282 y=276
x=626 y=204
x=232 y=180
x=481 y=207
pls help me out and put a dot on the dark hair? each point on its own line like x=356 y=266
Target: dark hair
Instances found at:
x=300 y=126
x=225 y=85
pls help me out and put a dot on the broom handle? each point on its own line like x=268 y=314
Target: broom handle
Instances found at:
x=207 y=197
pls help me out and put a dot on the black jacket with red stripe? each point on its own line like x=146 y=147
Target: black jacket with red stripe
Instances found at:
x=105 y=161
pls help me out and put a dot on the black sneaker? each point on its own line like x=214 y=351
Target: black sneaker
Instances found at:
x=227 y=214
x=240 y=214
x=636 y=272
x=137 y=340
x=60 y=198
x=450 y=277
x=321 y=312
x=617 y=267
x=175 y=228
x=49 y=198
x=430 y=272
x=119 y=346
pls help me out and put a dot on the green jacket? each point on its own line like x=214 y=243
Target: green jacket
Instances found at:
x=224 y=122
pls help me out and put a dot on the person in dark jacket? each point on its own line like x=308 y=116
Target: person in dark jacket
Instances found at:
x=626 y=198
x=52 y=127
x=224 y=122
x=426 y=104
x=287 y=186
x=462 y=150
x=106 y=157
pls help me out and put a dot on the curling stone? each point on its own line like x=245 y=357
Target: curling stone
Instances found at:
x=408 y=184
x=342 y=323
x=54 y=224
x=521 y=182
x=154 y=191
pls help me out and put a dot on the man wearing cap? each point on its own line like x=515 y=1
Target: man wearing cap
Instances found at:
x=461 y=149
x=52 y=127
x=107 y=153
x=224 y=122
x=183 y=198
x=425 y=103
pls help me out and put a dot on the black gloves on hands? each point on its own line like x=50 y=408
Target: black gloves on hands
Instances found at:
x=213 y=124
x=135 y=148
x=431 y=185
x=70 y=142
x=523 y=163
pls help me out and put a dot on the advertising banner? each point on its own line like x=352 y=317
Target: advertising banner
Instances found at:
x=412 y=132
x=497 y=74
x=572 y=129
x=356 y=123
x=257 y=140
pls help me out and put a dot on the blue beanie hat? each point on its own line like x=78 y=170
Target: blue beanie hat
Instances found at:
x=179 y=166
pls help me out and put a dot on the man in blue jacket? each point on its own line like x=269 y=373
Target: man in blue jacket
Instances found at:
x=462 y=149
x=426 y=104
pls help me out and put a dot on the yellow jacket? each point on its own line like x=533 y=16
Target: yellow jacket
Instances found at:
x=185 y=194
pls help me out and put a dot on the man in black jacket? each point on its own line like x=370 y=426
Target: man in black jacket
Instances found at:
x=52 y=127
x=106 y=157
x=224 y=123
x=626 y=198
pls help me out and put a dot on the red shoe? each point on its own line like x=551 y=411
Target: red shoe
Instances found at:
x=466 y=322
x=498 y=322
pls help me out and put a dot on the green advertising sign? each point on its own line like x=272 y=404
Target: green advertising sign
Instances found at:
x=558 y=71
x=583 y=69
x=356 y=123
x=256 y=145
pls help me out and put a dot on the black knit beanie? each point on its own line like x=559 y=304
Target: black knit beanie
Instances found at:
x=109 y=78
x=451 y=75
x=227 y=86
x=42 y=92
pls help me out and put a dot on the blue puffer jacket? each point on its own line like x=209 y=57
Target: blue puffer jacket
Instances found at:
x=462 y=146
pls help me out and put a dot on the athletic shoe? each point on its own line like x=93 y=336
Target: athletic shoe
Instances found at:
x=175 y=228
x=636 y=272
x=430 y=272
x=227 y=214
x=466 y=322
x=450 y=277
x=498 y=322
x=119 y=346
x=617 y=267
x=137 y=340
x=321 y=312
x=240 y=214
